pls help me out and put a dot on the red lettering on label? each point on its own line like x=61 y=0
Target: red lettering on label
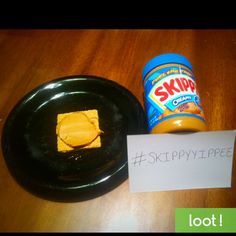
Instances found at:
x=174 y=86
x=179 y=83
x=164 y=95
x=171 y=87
x=192 y=85
x=185 y=83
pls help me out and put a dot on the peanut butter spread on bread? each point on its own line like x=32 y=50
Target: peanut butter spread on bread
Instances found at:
x=78 y=129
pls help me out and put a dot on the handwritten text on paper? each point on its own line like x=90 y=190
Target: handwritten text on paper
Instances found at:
x=158 y=162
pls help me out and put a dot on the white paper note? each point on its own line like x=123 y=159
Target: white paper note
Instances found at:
x=160 y=162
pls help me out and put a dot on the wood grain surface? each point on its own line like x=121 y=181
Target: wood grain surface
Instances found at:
x=29 y=58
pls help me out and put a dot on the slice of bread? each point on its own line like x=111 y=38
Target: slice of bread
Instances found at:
x=93 y=117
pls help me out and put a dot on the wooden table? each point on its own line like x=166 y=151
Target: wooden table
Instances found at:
x=30 y=57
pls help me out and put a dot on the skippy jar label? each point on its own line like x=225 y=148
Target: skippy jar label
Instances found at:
x=170 y=91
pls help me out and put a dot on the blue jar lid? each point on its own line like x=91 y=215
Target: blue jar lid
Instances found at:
x=163 y=59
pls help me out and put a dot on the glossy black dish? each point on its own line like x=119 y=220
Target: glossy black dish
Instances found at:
x=29 y=140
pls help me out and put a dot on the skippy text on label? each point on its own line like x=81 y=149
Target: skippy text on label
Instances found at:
x=169 y=89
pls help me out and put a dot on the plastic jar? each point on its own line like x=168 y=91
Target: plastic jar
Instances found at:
x=171 y=98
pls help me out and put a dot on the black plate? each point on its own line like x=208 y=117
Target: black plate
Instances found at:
x=29 y=140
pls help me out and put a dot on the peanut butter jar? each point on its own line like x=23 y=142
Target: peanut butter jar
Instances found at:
x=172 y=101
